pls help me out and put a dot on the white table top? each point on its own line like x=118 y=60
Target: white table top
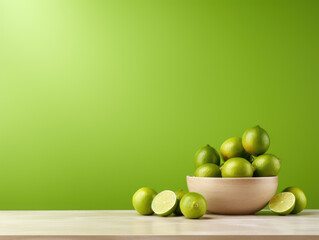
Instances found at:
x=130 y=225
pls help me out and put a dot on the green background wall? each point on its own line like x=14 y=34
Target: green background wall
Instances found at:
x=100 y=98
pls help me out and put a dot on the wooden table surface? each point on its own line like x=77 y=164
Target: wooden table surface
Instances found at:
x=130 y=225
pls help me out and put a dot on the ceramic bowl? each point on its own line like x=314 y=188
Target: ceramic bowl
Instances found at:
x=234 y=195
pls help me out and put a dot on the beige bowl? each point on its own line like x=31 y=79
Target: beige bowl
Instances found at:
x=234 y=195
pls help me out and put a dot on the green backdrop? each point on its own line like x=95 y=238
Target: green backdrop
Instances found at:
x=100 y=98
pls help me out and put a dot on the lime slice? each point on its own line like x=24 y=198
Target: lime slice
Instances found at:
x=164 y=203
x=282 y=203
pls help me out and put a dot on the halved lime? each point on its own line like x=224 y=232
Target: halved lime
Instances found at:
x=282 y=203
x=164 y=203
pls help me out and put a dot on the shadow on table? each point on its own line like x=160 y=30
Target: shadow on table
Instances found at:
x=270 y=213
x=206 y=218
x=266 y=213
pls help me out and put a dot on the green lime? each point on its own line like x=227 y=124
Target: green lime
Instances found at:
x=164 y=203
x=237 y=167
x=206 y=154
x=179 y=194
x=231 y=148
x=255 y=141
x=266 y=165
x=208 y=170
x=193 y=205
x=282 y=203
x=142 y=200
x=301 y=200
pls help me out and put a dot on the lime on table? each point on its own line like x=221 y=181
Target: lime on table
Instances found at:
x=142 y=200
x=301 y=200
x=164 y=203
x=282 y=203
x=193 y=205
x=179 y=194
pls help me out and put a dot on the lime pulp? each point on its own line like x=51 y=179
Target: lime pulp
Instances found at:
x=164 y=203
x=282 y=203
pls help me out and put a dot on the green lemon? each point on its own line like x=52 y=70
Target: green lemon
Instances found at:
x=231 y=148
x=237 y=167
x=179 y=194
x=193 y=205
x=266 y=165
x=282 y=203
x=142 y=200
x=206 y=154
x=208 y=170
x=301 y=200
x=164 y=203
x=255 y=141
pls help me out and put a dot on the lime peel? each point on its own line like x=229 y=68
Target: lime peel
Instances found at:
x=301 y=200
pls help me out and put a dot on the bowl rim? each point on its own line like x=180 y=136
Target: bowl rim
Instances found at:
x=228 y=178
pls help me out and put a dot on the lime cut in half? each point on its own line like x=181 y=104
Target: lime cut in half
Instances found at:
x=164 y=203
x=282 y=203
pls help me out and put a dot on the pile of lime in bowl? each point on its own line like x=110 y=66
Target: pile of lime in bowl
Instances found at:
x=241 y=157
x=247 y=157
